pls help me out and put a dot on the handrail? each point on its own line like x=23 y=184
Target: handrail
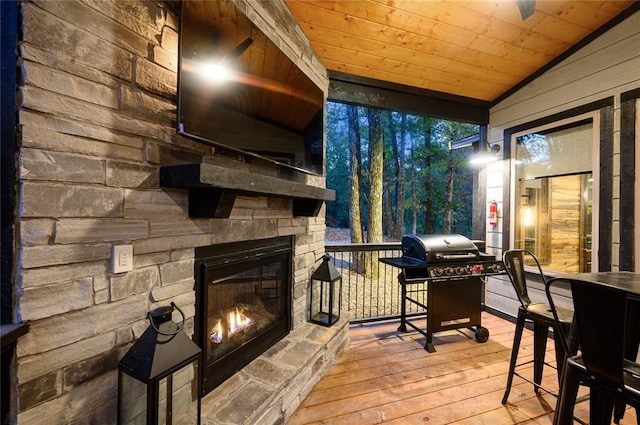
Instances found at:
x=342 y=247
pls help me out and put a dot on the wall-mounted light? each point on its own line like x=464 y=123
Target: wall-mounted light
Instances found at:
x=528 y=216
x=484 y=157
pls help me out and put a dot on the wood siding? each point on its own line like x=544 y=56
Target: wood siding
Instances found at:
x=598 y=73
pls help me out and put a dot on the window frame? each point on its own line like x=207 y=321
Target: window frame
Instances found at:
x=605 y=106
x=594 y=118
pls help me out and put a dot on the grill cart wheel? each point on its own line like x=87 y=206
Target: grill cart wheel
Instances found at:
x=482 y=334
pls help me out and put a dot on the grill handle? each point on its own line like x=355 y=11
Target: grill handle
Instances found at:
x=468 y=255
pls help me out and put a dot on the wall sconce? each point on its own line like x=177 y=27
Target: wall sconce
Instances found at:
x=528 y=216
x=484 y=157
x=158 y=377
x=326 y=294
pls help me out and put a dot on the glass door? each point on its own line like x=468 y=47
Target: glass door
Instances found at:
x=553 y=208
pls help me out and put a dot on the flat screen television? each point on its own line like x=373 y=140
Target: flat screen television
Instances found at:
x=238 y=91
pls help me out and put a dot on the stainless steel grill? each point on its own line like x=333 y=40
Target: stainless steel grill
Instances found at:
x=454 y=270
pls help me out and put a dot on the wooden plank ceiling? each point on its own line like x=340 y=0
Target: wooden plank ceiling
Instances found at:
x=477 y=48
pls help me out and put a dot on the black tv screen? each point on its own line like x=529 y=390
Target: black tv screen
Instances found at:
x=237 y=90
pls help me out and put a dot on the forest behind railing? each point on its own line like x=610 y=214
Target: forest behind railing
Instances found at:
x=371 y=296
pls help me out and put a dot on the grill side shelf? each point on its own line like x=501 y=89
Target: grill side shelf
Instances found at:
x=404 y=262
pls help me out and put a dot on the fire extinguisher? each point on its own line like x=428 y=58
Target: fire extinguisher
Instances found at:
x=493 y=213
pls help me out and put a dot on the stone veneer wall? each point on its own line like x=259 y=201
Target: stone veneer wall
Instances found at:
x=96 y=123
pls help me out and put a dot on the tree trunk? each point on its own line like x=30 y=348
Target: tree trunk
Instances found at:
x=414 y=195
x=400 y=163
x=428 y=214
x=355 y=165
x=389 y=183
x=387 y=208
x=376 y=143
x=355 y=221
x=448 y=197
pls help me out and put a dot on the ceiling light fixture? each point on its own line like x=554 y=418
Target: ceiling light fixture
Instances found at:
x=526 y=7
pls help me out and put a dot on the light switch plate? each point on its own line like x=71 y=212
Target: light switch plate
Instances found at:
x=121 y=258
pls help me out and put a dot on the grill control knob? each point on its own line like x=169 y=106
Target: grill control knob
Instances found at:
x=493 y=268
x=459 y=270
x=478 y=268
x=448 y=271
x=437 y=272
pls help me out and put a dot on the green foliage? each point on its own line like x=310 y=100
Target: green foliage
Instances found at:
x=337 y=163
x=412 y=153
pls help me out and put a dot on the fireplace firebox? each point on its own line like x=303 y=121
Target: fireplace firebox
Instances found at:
x=243 y=303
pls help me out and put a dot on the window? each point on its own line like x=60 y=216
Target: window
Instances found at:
x=554 y=194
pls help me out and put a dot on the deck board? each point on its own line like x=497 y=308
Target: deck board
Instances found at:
x=386 y=376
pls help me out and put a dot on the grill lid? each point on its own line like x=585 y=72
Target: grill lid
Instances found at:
x=439 y=248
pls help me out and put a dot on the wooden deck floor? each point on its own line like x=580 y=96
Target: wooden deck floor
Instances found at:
x=387 y=377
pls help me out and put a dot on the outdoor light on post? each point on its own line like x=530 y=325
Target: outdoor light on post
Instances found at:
x=326 y=293
x=158 y=376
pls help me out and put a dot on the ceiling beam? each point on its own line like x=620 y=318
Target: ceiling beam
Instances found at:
x=362 y=91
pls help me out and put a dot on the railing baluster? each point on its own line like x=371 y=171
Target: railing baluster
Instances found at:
x=366 y=296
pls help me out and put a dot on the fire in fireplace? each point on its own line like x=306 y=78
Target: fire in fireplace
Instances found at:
x=235 y=322
x=243 y=303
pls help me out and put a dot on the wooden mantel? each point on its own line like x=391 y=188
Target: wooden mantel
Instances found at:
x=213 y=189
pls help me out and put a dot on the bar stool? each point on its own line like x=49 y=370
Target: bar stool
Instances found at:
x=607 y=329
x=541 y=316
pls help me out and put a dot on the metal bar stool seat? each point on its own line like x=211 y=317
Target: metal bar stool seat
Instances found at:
x=541 y=315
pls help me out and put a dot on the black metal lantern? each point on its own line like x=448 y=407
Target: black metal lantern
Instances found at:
x=326 y=293
x=158 y=376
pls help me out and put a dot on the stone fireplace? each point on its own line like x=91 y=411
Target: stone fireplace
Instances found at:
x=96 y=131
x=243 y=303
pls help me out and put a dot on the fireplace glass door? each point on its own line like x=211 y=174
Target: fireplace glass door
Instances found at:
x=244 y=305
